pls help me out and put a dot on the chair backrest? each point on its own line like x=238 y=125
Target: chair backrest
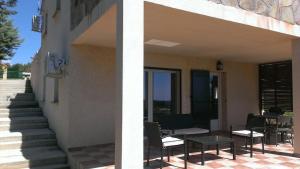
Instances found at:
x=153 y=133
x=256 y=121
x=176 y=121
x=285 y=121
x=276 y=110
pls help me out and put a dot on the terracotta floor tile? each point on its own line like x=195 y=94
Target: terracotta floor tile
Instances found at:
x=280 y=157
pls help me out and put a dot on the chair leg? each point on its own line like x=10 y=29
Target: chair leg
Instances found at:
x=202 y=154
x=276 y=138
x=161 y=158
x=292 y=139
x=187 y=150
x=251 y=147
x=233 y=150
x=185 y=155
x=168 y=151
x=148 y=155
x=263 y=144
x=282 y=137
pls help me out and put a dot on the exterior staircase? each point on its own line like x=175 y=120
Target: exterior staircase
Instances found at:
x=26 y=142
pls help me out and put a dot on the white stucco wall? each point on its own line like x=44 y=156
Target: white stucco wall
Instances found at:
x=55 y=41
x=92 y=100
x=90 y=95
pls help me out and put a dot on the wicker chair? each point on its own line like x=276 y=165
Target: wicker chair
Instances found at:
x=155 y=139
x=255 y=128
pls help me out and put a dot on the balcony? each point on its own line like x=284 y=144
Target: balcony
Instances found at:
x=80 y=9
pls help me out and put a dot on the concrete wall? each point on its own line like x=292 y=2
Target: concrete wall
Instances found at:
x=92 y=73
x=241 y=83
x=55 y=41
x=87 y=93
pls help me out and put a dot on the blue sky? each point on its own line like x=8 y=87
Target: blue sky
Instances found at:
x=26 y=9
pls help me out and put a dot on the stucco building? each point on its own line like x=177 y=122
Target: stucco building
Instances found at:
x=126 y=61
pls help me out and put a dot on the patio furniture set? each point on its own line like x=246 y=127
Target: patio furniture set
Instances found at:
x=165 y=134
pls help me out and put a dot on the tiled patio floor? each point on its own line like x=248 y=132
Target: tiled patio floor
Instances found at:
x=280 y=157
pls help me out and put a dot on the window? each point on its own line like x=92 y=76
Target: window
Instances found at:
x=45 y=24
x=161 y=93
x=57 y=8
x=276 y=90
x=56 y=91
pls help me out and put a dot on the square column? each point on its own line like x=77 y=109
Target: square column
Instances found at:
x=129 y=138
x=296 y=92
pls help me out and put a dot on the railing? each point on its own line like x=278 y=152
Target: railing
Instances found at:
x=80 y=9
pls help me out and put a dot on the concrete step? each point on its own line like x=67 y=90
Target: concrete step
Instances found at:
x=18 y=96
x=24 y=135
x=11 y=113
x=6 y=90
x=13 y=88
x=9 y=83
x=18 y=104
x=60 y=166
x=13 y=92
x=37 y=159
x=25 y=151
x=27 y=144
x=23 y=120
x=18 y=127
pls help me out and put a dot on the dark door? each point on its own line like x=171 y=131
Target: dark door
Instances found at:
x=200 y=97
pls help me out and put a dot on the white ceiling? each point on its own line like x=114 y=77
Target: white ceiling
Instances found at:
x=198 y=36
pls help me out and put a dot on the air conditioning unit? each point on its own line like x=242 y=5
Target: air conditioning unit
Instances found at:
x=55 y=65
x=36 y=23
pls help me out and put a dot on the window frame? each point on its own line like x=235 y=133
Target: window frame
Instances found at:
x=150 y=89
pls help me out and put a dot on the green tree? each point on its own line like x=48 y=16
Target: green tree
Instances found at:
x=9 y=37
x=20 y=67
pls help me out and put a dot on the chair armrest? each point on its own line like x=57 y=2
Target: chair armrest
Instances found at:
x=259 y=129
x=237 y=127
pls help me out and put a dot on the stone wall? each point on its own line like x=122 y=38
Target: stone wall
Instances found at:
x=79 y=9
x=285 y=10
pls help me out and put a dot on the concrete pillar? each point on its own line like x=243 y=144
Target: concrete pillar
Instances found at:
x=5 y=73
x=4 y=69
x=130 y=68
x=296 y=92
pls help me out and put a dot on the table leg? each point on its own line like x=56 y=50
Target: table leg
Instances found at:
x=202 y=154
x=233 y=150
x=187 y=150
x=185 y=153
x=218 y=150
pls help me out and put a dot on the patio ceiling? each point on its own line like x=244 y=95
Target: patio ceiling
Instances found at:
x=198 y=36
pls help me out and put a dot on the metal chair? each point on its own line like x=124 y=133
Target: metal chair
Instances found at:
x=255 y=128
x=155 y=139
x=284 y=126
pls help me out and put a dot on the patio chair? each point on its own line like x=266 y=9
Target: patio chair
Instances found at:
x=155 y=139
x=284 y=127
x=255 y=128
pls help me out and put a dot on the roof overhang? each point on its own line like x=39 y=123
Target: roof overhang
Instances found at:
x=203 y=29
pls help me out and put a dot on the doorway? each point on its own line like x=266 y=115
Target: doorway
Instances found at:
x=206 y=99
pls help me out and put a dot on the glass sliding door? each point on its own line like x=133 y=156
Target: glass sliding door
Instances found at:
x=163 y=93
